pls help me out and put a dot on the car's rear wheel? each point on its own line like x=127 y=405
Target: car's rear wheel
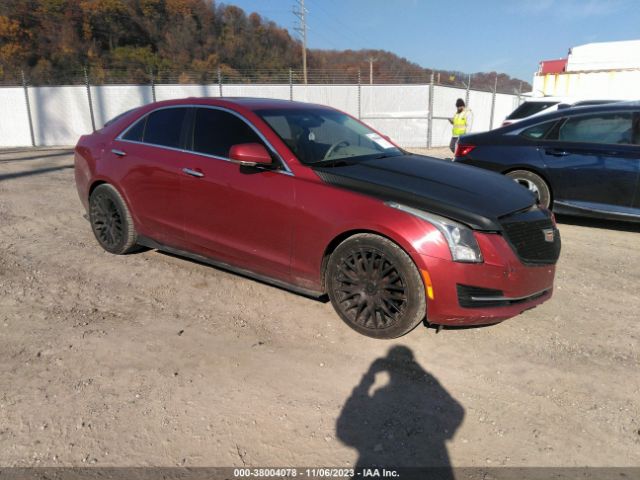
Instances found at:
x=375 y=287
x=111 y=220
x=534 y=183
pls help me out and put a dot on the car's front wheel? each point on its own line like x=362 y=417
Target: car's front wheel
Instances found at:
x=111 y=220
x=534 y=183
x=375 y=287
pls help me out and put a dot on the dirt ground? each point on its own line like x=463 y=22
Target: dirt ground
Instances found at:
x=150 y=359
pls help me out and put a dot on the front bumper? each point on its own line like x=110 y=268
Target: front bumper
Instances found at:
x=504 y=286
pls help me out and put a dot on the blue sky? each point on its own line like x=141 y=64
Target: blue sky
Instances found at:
x=469 y=36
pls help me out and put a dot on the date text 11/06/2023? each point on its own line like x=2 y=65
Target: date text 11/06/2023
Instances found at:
x=315 y=472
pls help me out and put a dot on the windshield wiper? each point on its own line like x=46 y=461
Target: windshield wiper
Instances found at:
x=386 y=155
x=336 y=162
x=342 y=162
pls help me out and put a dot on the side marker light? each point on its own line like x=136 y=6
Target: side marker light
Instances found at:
x=427 y=283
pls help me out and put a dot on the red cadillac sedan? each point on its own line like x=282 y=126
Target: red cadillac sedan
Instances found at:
x=308 y=198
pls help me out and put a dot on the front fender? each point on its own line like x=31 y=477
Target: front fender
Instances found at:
x=327 y=215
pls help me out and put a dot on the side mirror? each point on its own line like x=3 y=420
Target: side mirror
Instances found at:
x=250 y=154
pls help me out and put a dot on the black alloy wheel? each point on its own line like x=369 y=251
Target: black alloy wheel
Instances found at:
x=111 y=221
x=373 y=294
x=375 y=287
x=107 y=221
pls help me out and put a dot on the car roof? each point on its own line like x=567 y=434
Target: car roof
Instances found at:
x=248 y=103
x=577 y=110
x=568 y=100
x=543 y=99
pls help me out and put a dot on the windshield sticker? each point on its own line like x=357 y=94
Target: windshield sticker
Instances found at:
x=374 y=137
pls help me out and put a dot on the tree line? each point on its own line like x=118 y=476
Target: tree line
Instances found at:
x=184 y=41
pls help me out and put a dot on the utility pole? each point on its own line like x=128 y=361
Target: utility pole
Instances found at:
x=371 y=60
x=493 y=102
x=26 y=99
x=301 y=12
x=86 y=83
x=519 y=91
x=468 y=87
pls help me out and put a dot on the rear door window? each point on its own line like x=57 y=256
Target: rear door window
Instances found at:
x=607 y=128
x=164 y=127
x=216 y=131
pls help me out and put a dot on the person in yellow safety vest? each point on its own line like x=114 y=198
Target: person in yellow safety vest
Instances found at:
x=461 y=121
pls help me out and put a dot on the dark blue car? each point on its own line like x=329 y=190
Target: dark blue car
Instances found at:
x=579 y=161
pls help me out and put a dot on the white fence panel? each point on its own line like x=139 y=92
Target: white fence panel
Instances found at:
x=480 y=105
x=399 y=111
x=505 y=104
x=281 y=92
x=111 y=100
x=404 y=132
x=60 y=114
x=399 y=100
x=342 y=97
x=171 y=92
x=14 y=121
x=441 y=134
x=444 y=100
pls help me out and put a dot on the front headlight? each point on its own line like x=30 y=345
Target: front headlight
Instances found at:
x=462 y=243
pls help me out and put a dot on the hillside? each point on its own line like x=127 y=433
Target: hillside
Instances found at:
x=390 y=68
x=180 y=41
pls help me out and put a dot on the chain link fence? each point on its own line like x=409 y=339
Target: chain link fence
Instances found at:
x=56 y=108
x=328 y=76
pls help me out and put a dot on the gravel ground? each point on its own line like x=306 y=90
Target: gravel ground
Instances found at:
x=150 y=359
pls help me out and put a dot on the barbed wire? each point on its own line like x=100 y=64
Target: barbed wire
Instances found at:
x=95 y=75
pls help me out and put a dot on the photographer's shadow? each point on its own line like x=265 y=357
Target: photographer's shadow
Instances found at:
x=404 y=423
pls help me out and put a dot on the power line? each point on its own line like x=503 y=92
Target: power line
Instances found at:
x=365 y=40
x=347 y=33
x=330 y=20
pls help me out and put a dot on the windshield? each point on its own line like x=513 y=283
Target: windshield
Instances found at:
x=318 y=135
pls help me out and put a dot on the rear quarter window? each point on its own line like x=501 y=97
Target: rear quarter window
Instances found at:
x=538 y=132
x=136 y=132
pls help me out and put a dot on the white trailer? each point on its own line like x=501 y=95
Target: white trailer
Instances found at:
x=604 y=56
x=595 y=71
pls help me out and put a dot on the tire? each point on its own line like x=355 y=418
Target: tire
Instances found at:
x=375 y=287
x=534 y=183
x=111 y=220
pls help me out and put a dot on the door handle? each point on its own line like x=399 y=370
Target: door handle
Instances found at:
x=119 y=153
x=556 y=152
x=193 y=173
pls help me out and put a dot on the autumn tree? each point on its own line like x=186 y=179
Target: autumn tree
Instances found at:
x=178 y=40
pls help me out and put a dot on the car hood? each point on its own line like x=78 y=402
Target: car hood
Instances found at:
x=469 y=195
